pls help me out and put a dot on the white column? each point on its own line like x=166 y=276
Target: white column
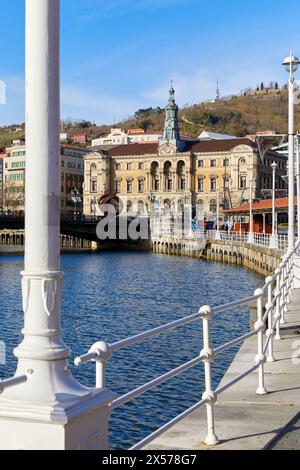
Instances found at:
x=298 y=186
x=291 y=230
x=51 y=410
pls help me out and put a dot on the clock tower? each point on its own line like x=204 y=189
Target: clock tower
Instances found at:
x=171 y=142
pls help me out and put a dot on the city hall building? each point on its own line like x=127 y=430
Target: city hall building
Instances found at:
x=179 y=171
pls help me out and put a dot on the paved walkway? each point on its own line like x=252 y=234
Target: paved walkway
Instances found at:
x=243 y=419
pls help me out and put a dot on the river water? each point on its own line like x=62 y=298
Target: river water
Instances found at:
x=112 y=296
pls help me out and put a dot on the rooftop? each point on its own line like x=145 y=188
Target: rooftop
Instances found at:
x=262 y=206
x=208 y=135
x=193 y=146
x=224 y=145
x=134 y=149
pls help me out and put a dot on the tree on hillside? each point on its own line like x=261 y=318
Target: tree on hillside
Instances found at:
x=262 y=86
x=146 y=112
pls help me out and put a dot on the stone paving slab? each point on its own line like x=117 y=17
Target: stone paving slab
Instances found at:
x=239 y=427
x=243 y=419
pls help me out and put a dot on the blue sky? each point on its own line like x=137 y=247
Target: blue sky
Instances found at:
x=120 y=55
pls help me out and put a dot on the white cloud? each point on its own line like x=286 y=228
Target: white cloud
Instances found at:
x=120 y=6
x=200 y=85
x=78 y=102
x=191 y=88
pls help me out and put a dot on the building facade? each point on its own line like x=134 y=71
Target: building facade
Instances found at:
x=176 y=172
x=72 y=175
x=132 y=136
x=2 y=155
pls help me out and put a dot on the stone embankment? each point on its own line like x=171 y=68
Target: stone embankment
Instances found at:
x=260 y=259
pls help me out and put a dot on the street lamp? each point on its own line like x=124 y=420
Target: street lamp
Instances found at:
x=76 y=200
x=273 y=239
x=251 y=235
x=298 y=185
x=218 y=235
x=291 y=64
x=94 y=206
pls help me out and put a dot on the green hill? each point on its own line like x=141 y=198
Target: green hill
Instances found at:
x=237 y=115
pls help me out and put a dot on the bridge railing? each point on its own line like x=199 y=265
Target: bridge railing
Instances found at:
x=276 y=291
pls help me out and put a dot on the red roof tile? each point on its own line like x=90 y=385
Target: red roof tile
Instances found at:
x=225 y=145
x=134 y=149
x=266 y=204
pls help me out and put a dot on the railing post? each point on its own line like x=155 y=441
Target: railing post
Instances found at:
x=211 y=438
x=284 y=294
x=260 y=358
x=291 y=276
x=270 y=331
x=278 y=294
x=104 y=353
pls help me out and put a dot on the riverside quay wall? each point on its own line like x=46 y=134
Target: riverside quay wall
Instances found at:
x=12 y=241
x=260 y=259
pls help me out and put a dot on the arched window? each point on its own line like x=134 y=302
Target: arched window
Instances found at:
x=200 y=184
x=213 y=184
x=167 y=167
x=168 y=176
x=129 y=185
x=129 y=207
x=155 y=176
x=94 y=184
x=154 y=168
x=118 y=186
x=141 y=207
x=213 y=206
x=180 y=168
x=141 y=185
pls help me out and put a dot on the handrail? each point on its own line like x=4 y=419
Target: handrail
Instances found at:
x=12 y=382
x=154 y=332
x=277 y=292
x=260 y=239
x=154 y=383
x=92 y=356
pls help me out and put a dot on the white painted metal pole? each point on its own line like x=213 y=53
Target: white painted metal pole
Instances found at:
x=42 y=410
x=291 y=229
x=218 y=235
x=211 y=438
x=270 y=331
x=251 y=235
x=41 y=279
x=260 y=358
x=298 y=187
x=273 y=238
x=273 y=198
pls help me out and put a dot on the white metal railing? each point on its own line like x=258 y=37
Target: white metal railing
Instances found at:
x=277 y=294
x=259 y=239
x=12 y=382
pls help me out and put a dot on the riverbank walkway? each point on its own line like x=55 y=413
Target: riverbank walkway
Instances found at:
x=244 y=420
